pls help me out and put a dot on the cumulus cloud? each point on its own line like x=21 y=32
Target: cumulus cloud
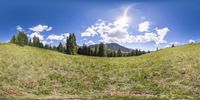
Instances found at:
x=46 y=42
x=118 y=33
x=191 y=41
x=55 y=37
x=58 y=37
x=144 y=27
x=19 y=28
x=89 y=32
x=41 y=37
x=40 y=28
x=90 y=42
x=173 y=43
x=37 y=30
x=49 y=29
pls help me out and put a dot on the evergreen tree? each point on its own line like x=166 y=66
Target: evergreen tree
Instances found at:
x=110 y=54
x=114 y=54
x=47 y=46
x=133 y=53
x=96 y=50
x=41 y=45
x=74 y=45
x=173 y=45
x=143 y=52
x=85 y=50
x=80 y=50
x=22 y=39
x=60 y=47
x=13 y=40
x=36 y=41
x=119 y=53
x=102 y=50
x=68 y=44
x=136 y=52
x=71 y=45
x=139 y=52
x=30 y=42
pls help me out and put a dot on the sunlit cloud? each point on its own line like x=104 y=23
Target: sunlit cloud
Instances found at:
x=117 y=31
x=191 y=41
x=40 y=28
x=19 y=28
x=144 y=26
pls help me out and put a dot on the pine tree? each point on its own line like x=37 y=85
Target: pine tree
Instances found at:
x=22 y=39
x=139 y=52
x=80 y=50
x=30 y=42
x=36 y=42
x=85 y=50
x=68 y=44
x=136 y=52
x=119 y=53
x=47 y=46
x=60 y=47
x=173 y=45
x=102 y=50
x=114 y=54
x=13 y=40
x=41 y=45
x=133 y=53
x=110 y=54
x=96 y=50
x=74 y=45
x=71 y=44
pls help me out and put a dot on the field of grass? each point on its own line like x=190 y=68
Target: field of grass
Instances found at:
x=39 y=73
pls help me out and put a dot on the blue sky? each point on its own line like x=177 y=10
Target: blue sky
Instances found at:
x=144 y=24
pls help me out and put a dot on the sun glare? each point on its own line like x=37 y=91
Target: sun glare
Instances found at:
x=125 y=19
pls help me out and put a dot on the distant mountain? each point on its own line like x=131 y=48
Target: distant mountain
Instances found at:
x=114 y=47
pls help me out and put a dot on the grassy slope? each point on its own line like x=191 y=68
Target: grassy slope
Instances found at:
x=29 y=71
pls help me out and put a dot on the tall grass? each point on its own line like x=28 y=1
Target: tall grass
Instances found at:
x=34 y=72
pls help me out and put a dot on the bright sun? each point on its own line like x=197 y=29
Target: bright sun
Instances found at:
x=123 y=20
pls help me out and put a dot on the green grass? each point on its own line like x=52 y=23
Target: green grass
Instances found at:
x=37 y=73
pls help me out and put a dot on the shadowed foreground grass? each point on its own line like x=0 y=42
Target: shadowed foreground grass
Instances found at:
x=34 y=73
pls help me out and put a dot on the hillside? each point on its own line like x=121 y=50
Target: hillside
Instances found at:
x=114 y=47
x=34 y=72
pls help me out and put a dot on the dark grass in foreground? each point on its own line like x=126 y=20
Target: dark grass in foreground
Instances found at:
x=34 y=72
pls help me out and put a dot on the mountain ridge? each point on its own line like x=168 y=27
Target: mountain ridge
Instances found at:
x=113 y=47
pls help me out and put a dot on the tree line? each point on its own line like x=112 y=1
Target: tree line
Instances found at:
x=71 y=47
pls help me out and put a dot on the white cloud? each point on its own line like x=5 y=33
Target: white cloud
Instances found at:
x=47 y=42
x=144 y=27
x=41 y=37
x=55 y=37
x=161 y=35
x=88 y=32
x=118 y=33
x=36 y=31
x=90 y=42
x=58 y=37
x=191 y=41
x=49 y=29
x=19 y=28
x=40 y=28
x=174 y=43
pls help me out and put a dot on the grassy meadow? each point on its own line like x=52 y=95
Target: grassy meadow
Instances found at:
x=39 y=73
